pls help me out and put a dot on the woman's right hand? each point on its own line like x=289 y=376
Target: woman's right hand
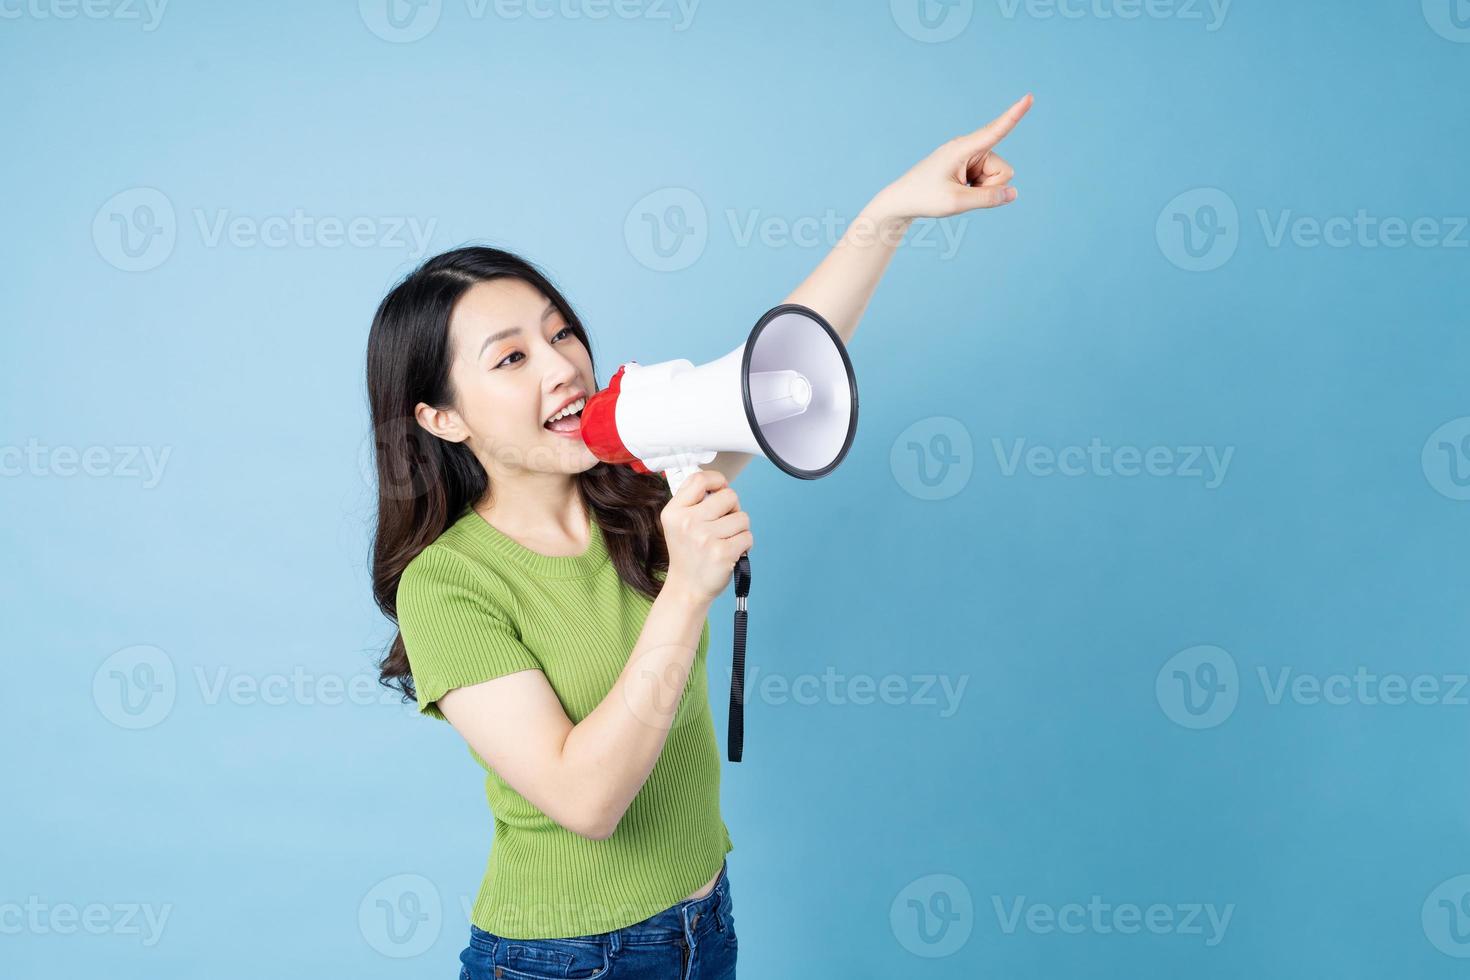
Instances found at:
x=706 y=532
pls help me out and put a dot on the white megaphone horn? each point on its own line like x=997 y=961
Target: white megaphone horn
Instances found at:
x=787 y=394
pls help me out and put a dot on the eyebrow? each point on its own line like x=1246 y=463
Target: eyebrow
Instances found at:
x=512 y=331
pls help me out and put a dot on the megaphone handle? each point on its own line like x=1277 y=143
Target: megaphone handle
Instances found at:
x=741 y=574
x=737 y=666
x=678 y=475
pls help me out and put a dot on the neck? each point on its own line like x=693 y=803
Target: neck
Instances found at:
x=545 y=503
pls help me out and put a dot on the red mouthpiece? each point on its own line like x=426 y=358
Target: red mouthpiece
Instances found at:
x=600 y=426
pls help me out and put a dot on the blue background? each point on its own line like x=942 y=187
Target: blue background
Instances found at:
x=1335 y=541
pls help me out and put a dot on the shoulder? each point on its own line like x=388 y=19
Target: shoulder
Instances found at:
x=445 y=572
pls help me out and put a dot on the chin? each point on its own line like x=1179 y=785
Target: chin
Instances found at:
x=590 y=462
x=570 y=456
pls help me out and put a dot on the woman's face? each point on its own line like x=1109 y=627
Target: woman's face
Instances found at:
x=516 y=363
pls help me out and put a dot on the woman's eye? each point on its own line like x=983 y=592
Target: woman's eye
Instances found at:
x=507 y=359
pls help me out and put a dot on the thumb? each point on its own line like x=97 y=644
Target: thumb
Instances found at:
x=985 y=197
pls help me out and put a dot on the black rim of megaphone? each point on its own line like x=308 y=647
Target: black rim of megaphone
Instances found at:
x=755 y=428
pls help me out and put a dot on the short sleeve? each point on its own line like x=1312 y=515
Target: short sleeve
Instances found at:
x=455 y=633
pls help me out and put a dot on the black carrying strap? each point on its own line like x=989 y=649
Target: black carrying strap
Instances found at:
x=737 y=666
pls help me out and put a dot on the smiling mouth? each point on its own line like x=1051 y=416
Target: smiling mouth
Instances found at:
x=568 y=423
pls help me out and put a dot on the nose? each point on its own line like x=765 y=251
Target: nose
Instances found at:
x=560 y=371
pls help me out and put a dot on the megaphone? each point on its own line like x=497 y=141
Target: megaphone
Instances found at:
x=788 y=393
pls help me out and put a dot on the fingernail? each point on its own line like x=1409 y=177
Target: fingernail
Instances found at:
x=1010 y=194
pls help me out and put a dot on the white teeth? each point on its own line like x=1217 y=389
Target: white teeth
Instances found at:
x=571 y=409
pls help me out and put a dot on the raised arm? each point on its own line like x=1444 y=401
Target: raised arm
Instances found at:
x=962 y=175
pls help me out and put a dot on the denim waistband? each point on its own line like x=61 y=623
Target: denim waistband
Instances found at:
x=691 y=917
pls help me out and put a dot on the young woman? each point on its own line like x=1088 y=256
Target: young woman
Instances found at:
x=553 y=608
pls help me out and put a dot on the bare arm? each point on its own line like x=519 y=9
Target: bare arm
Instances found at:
x=584 y=776
x=961 y=175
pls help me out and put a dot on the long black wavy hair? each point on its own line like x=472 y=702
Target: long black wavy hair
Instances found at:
x=424 y=483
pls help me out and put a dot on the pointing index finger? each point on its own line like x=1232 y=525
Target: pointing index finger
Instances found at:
x=994 y=131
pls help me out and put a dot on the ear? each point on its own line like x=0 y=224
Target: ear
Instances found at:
x=441 y=422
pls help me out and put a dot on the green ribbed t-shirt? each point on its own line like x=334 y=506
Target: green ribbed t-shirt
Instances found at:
x=475 y=605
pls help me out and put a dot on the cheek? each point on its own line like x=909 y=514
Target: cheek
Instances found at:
x=496 y=410
x=582 y=357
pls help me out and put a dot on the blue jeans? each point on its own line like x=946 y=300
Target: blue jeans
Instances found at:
x=692 y=940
